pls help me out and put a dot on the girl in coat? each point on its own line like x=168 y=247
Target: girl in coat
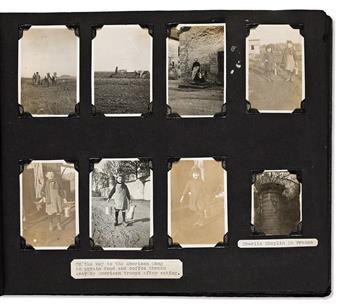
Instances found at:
x=195 y=190
x=121 y=196
x=289 y=62
x=269 y=63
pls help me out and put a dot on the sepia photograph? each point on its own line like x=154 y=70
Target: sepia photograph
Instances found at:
x=122 y=56
x=48 y=69
x=49 y=204
x=121 y=204
x=197 y=202
x=275 y=68
x=196 y=64
x=276 y=203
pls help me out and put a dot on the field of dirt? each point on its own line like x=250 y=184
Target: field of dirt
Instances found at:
x=38 y=234
x=273 y=95
x=189 y=101
x=122 y=95
x=107 y=235
x=185 y=230
x=52 y=100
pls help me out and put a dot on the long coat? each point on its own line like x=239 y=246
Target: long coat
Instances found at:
x=121 y=196
x=288 y=53
x=54 y=195
x=195 y=189
x=269 y=61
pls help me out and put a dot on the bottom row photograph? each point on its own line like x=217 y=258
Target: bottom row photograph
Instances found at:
x=121 y=203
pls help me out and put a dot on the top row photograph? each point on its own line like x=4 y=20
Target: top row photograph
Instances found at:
x=122 y=66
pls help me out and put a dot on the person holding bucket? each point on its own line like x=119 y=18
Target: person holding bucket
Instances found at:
x=121 y=196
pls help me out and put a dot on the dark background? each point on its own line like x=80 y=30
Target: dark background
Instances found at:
x=249 y=141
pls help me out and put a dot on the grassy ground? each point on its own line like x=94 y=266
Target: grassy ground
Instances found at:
x=122 y=95
x=105 y=234
x=53 y=100
x=275 y=95
x=187 y=101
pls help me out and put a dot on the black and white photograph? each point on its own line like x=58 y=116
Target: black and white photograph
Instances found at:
x=197 y=202
x=49 y=204
x=48 y=69
x=275 y=68
x=122 y=59
x=121 y=204
x=196 y=61
x=276 y=203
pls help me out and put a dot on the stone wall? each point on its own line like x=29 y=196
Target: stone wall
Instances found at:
x=203 y=43
x=173 y=59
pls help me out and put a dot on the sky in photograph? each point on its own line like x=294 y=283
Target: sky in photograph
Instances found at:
x=125 y=46
x=272 y=34
x=49 y=49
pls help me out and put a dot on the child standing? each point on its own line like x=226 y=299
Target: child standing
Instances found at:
x=269 y=63
x=53 y=195
x=289 y=60
x=195 y=189
x=121 y=196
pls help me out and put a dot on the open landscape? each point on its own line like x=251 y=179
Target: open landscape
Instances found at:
x=121 y=95
x=59 y=99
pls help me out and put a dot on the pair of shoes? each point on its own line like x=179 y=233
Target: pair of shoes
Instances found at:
x=116 y=223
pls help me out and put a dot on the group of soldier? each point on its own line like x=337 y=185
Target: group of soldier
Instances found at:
x=48 y=80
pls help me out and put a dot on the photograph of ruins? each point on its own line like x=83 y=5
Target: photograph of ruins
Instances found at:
x=275 y=68
x=196 y=69
x=276 y=203
x=122 y=58
x=48 y=70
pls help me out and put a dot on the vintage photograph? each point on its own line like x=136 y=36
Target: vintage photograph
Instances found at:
x=122 y=56
x=196 y=69
x=275 y=68
x=197 y=202
x=49 y=204
x=276 y=203
x=48 y=69
x=121 y=204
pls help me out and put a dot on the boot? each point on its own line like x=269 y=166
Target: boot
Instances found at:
x=116 y=218
x=124 y=218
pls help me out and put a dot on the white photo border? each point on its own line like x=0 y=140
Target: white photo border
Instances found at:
x=151 y=207
x=226 y=226
x=167 y=67
x=77 y=69
x=76 y=181
x=93 y=70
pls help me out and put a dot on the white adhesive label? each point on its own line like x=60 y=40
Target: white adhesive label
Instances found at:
x=278 y=243
x=126 y=268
